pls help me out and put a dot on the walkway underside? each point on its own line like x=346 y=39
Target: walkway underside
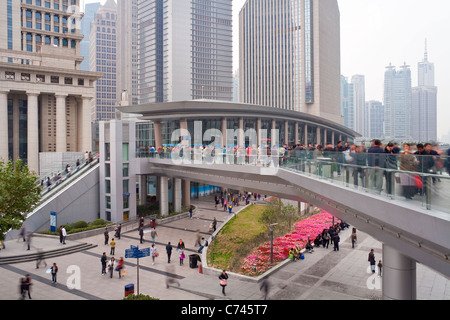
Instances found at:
x=417 y=233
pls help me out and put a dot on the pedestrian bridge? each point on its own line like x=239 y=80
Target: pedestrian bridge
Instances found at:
x=411 y=230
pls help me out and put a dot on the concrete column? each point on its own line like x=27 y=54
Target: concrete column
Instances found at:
x=224 y=131
x=15 y=128
x=157 y=131
x=286 y=132
x=296 y=139
x=61 y=134
x=33 y=132
x=241 y=133
x=4 y=151
x=177 y=195
x=306 y=135
x=258 y=131
x=164 y=196
x=186 y=193
x=318 y=138
x=84 y=125
x=399 y=275
x=143 y=190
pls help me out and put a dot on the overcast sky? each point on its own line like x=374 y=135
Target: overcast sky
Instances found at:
x=376 y=33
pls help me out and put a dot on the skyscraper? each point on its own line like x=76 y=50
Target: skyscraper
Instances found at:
x=290 y=55
x=348 y=103
x=103 y=58
x=361 y=114
x=397 y=103
x=44 y=96
x=375 y=114
x=424 y=103
x=89 y=13
x=185 y=50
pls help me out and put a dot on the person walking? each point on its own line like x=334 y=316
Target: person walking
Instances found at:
x=214 y=224
x=103 y=260
x=353 y=237
x=28 y=285
x=141 y=234
x=60 y=234
x=54 y=271
x=40 y=258
x=190 y=212
x=106 y=234
x=113 y=246
x=326 y=238
x=336 y=240
x=380 y=267
x=371 y=260
x=153 y=253
x=118 y=230
x=111 y=266
x=153 y=234
x=169 y=251
x=223 y=281
x=120 y=267
x=64 y=234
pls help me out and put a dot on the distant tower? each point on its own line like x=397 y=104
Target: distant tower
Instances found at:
x=424 y=103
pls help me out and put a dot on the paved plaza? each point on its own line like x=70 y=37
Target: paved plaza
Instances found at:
x=323 y=275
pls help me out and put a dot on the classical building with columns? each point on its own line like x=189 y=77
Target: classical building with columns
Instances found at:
x=44 y=96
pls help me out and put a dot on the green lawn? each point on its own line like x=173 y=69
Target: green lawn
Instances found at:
x=236 y=239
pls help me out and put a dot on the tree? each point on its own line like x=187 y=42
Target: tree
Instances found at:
x=19 y=193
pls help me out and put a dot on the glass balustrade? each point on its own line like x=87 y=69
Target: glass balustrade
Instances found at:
x=421 y=180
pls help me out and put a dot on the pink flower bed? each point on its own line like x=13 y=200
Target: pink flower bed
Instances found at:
x=259 y=260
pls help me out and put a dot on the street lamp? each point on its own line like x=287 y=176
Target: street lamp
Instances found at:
x=271 y=241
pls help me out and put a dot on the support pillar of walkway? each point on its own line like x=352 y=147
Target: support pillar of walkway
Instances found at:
x=61 y=134
x=33 y=132
x=4 y=150
x=399 y=275
x=143 y=190
x=164 y=196
x=177 y=195
x=186 y=193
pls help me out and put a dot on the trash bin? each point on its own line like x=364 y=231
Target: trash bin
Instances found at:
x=193 y=258
x=152 y=223
x=129 y=289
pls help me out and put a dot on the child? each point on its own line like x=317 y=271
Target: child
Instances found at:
x=380 y=266
x=182 y=256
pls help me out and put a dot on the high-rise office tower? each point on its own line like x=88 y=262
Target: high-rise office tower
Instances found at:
x=290 y=55
x=361 y=114
x=44 y=96
x=185 y=50
x=424 y=103
x=375 y=115
x=397 y=103
x=347 y=103
x=103 y=58
x=90 y=10
x=127 y=49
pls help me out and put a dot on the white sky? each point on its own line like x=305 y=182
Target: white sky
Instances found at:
x=376 y=33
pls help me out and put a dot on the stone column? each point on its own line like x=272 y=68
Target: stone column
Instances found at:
x=286 y=132
x=157 y=131
x=224 y=131
x=164 y=196
x=33 y=132
x=143 y=190
x=306 y=135
x=61 y=134
x=177 y=195
x=84 y=125
x=297 y=139
x=186 y=193
x=4 y=150
x=399 y=275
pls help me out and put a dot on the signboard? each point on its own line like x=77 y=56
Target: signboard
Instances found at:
x=134 y=252
x=53 y=221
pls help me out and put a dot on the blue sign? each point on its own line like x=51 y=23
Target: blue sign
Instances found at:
x=53 y=221
x=134 y=252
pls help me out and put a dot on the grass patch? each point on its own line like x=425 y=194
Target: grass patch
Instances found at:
x=238 y=232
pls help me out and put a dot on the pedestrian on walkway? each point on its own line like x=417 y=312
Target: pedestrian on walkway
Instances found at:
x=103 y=260
x=120 y=267
x=371 y=260
x=40 y=258
x=118 y=230
x=54 y=271
x=264 y=287
x=22 y=234
x=141 y=234
x=28 y=285
x=64 y=234
x=230 y=208
x=61 y=234
x=336 y=240
x=106 y=234
x=190 y=212
x=214 y=224
x=380 y=267
x=29 y=237
x=223 y=281
x=182 y=256
x=153 y=253
x=204 y=244
x=23 y=288
x=113 y=246
x=353 y=236
x=169 y=251
x=153 y=234
x=197 y=238
x=111 y=266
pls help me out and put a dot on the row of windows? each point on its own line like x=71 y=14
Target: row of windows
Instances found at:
x=42 y=78
x=56 y=3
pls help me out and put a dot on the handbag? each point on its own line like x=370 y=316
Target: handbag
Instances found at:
x=223 y=282
x=418 y=181
x=156 y=254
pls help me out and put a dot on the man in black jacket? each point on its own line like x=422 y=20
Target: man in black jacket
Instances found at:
x=376 y=159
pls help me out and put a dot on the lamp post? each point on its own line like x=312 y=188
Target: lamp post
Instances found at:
x=271 y=241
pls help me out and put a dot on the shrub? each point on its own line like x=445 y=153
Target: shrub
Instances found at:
x=79 y=225
x=99 y=222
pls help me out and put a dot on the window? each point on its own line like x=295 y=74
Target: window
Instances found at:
x=107 y=186
x=25 y=77
x=107 y=151
x=125 y=168
x=125 y=152
x=40 y=78
x=54 y=79
x=108 y=202
x=107 y=170
x=68 y=80
x=10 y=75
